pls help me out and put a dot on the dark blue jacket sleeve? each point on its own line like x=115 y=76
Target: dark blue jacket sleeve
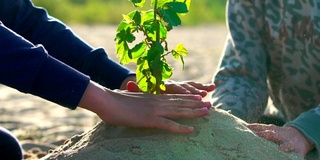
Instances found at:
x=62 y=47
x=30 y=69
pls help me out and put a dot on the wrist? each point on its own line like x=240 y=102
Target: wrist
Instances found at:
x=93 y=97
x=308 y=144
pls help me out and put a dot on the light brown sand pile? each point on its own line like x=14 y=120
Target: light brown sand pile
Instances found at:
x=217 y=136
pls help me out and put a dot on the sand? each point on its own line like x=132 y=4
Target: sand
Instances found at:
x=218 y=136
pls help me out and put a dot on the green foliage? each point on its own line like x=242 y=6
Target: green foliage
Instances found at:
x=110 y=11
x=150 y=53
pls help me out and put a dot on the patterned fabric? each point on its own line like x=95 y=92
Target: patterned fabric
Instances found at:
x=273 y=49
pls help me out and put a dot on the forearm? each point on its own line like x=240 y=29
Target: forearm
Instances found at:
x=61 y=42
x=30 y=69
x=105 y=71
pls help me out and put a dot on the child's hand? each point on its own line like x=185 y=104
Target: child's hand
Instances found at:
x=172 y=87
x=289 y=138
x=136 y=109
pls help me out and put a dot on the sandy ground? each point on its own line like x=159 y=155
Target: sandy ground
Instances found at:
x=32 y=118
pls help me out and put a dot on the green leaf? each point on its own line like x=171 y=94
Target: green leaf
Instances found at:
x=127 y=19
x=151 y=29
x=124 y=35
x=123 y=52
x=147 y=17
x=167 y=71
x=129 y=37
x=178 y=7
x=138 y=3
x=187 y=2
x=137 y=18
x=155 y=50
x=179 y=52
x=162 y=86
x=163 y=31
x=160 y=3
x=123 y=24
x=138 y=50
x=170 y=17
x=142 y=74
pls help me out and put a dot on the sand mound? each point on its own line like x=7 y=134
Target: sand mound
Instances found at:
x=217 y=136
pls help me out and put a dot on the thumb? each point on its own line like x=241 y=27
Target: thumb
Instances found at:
x=133 y=87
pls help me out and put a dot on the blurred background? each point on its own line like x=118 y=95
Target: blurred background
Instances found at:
x=110 y=11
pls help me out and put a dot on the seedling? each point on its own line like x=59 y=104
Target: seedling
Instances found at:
x=150 y=53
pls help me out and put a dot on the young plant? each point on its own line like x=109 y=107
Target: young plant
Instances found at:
x=149 y=54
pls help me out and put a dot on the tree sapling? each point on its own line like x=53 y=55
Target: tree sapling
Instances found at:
x=149 y=54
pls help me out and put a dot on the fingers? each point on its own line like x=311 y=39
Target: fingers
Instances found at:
x=174 y=112
x=182 y=103
x=183 y=89
x=166 y=114
x=195 y=90
x=188 y=88
x=205 y=87
x=286 y=147
x=178 y=96
x=267 y=132
x=136 y=94
x=178 y=88
x=270 y=135
x=172 y=126
x=133 y=87
x=260 y=127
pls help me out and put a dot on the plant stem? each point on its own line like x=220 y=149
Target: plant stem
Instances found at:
x=158 y=79
x=155 y=9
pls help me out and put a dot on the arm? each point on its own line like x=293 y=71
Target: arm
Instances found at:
x=241 y=77
x=30 y=69
x=38 y=27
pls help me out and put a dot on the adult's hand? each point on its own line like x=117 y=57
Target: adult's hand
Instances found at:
x=173 y=87
x=289 y=139
x=142 y=110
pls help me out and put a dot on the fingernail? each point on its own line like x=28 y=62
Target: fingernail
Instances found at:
x=207 y=104
x=204 y=109
x=191 y=129
x=203 y=93
x=198 y=97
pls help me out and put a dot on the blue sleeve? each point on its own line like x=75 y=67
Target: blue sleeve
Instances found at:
x=30 y=69
x=34 y=24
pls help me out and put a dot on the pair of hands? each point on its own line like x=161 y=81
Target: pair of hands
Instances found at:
x=289 y=139
x=132 y=108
